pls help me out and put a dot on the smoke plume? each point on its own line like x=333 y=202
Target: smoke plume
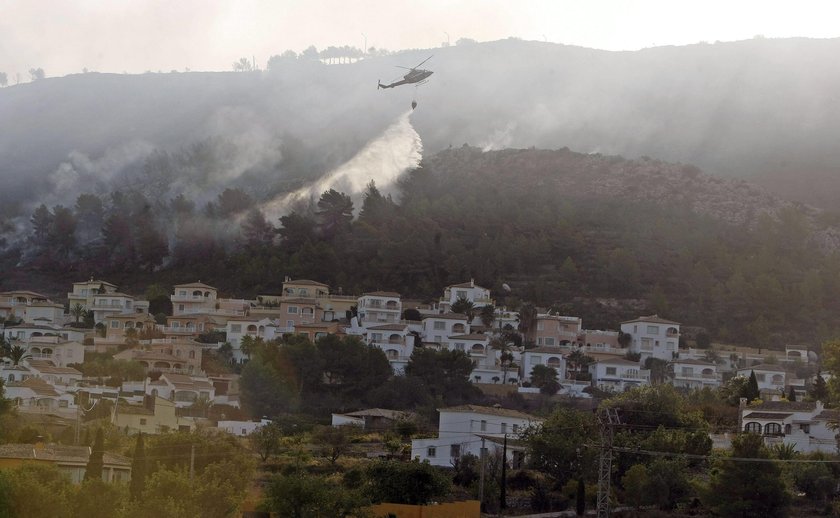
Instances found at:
x=397 y=150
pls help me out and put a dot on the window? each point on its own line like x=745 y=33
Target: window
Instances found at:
x=483 y=426
x=439 y=325
x=549 y=340
x=431 y=451
x=142 y=422
x=292 y=310
x=461 y=294
x=235 y=328
x=805 y=427
x=459 y=347
x=611 y=371
x=515 y=428
x=244 y=432
x=303 y=291
x=653 y=330
x=773 y=429
x=376 y=337
x=180 y=307
x=504 y=427
x=115 y=324
x=759 y=377
x=182 y=293
x=752 y=427
x=290 y=323
x=455 y=451
x=536 y=360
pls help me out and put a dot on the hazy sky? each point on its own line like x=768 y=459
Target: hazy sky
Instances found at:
x=137 y=35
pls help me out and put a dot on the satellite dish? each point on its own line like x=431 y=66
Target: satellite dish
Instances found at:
x=506 y=287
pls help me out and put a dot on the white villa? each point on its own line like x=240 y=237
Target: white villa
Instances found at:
x=805 y=425
x=771 y=378
x=653 y=336
x=470 y=291
x=695 y=374
x=467 y=428
x=618 y=374
x=379 y=307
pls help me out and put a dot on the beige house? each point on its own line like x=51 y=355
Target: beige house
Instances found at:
x=70 y=460
x=84 y=292
x=155 y=416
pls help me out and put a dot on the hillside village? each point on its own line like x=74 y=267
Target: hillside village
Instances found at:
x=188 y=363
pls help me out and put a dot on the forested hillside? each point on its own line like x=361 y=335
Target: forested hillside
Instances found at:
x=763 y=108
x=596 y=236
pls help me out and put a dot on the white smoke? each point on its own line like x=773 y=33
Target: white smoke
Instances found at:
x=384 y=159
x=82 y=174
x=500 y=139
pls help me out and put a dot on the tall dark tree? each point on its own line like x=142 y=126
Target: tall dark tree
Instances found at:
x=138 y=469
x=752 y=391
x=296 y=229
x=233 y=201
x=62 y=236
x=93 y=471
x=89 y=213
x=819 y=389
x=256 y=230
x=738 y=489
x=791 y=394
x=42 y=220
x=152 y=246
x=335 y=212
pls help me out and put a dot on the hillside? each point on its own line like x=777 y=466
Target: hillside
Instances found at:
x=759 y=109
x=596 y=236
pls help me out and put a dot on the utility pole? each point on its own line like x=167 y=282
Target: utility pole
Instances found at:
x=192 y=461
x=481 y=476
x=607 y=420
x=503 y=489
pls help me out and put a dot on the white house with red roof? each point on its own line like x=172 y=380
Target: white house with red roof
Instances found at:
x=653 y=336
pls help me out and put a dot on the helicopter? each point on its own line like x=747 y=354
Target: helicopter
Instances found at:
x=414 y=76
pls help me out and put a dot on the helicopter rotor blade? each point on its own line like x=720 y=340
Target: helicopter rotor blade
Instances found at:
x=427 y=59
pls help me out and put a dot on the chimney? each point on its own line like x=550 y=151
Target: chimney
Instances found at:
x=472 y=283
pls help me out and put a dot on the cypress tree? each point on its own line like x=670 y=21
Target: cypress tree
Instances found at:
x=138 y=470
x=95 y=463
x=752 y=388
x=791 y=394
x=580 y=498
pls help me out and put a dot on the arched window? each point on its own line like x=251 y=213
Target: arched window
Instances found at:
x=459 y=328
x=477 y=349
x=753 y=427
x=11 y=378
x=192 y=355
x=773 y=429
x=553 y=362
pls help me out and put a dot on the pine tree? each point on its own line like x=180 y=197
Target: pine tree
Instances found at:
x=819 y=389
x=138 y=469
x=95 y=463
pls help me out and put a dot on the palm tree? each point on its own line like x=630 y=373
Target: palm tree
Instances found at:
x=505 y=358
x=464 y=306
x=78 y=311
x=17 y=354
x=487 y=314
